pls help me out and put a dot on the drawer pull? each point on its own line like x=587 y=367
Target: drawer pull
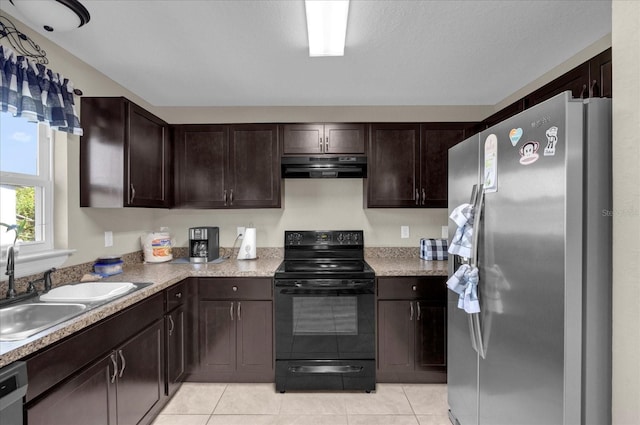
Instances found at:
x=179 y=295
x=234 y=288
x=414 y=287
x=124 y=363
x=115 y=368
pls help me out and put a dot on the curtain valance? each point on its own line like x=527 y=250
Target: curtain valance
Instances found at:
x=37 y=93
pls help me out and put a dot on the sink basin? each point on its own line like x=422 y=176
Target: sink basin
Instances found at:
x=23 y=320
x=87 y=292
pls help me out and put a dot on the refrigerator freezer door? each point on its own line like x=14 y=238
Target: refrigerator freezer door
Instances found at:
x=522 y=268
x=462 y=359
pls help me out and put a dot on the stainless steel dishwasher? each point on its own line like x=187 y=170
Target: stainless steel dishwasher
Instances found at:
x=13 y=387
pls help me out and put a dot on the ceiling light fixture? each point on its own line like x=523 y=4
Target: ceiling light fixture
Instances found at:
x=326 y=26
x=58 y=15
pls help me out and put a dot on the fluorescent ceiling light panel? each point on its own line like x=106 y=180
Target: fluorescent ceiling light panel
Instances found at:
x=326 y=26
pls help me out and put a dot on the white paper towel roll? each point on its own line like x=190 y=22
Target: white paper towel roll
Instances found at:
x=248 y=248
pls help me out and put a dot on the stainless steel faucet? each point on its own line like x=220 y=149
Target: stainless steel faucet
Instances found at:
x=11 y=291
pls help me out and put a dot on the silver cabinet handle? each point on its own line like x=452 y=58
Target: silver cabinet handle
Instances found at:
x=179 y=295
x=424 y=196
x=414 y=287
x=419 y=311
x=417 y=197
x=114 y=360
x=133 y=193
x=173 y=325
x=320 y=143
x=231 y=311
x=234 y=288
x=124 y=363
x=224 y=196
x=231 y=197
x=326 y=144
x=411 y=309
x=239 y=310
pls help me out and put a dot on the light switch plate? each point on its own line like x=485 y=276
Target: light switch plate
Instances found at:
x=404 y=232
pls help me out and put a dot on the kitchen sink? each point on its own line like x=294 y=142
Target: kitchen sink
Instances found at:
x=89 y=292
x=23 y=320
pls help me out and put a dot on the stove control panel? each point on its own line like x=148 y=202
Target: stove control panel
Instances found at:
x=321 y=238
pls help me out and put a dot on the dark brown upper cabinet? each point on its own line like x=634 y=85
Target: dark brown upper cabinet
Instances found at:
x=408 y=163
x=315 y=139
x=125 y=155
x=227 y=166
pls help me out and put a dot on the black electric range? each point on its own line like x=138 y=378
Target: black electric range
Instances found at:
x=325 y=313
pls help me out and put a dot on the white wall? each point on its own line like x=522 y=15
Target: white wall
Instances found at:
x=626 y=208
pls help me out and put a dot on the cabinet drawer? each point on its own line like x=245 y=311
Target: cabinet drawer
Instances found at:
x=234 y=288
x=423 y=287
x=175 y=295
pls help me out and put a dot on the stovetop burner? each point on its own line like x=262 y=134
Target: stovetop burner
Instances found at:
x=335 y=254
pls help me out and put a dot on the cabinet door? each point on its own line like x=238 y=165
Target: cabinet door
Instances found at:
x=254 y=164
x=344 y=138
x=302 y=139
x=394 y=159
x=396 y=340
x=201 y=166
x=217 y=336
x=175 y=341
x=431 y=335
x=254 y=336
x=88 y=398
x=140 y=383
x=148 y=160
x=601 y=75
x=436 y=141
x=576 y=80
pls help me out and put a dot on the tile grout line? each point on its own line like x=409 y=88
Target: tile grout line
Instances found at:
x=415 y=416
x=226 y=385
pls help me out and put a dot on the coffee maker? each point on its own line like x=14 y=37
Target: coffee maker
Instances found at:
x=204 y=244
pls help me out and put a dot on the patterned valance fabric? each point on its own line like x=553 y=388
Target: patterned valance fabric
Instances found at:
x=33 y=91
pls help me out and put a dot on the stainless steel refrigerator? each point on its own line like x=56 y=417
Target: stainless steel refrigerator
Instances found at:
x=539 y=351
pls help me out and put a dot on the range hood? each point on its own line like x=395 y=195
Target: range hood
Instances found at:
x=306 y=167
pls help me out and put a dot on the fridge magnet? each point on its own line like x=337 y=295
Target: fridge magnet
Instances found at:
x=529 y=152
x=552 y=139
x=514 y=135
x=491 y=164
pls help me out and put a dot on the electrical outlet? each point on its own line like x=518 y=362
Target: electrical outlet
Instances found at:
x=240 y=232
x=108 y=238
x=404 y=232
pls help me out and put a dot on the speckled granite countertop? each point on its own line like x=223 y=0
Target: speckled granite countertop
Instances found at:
x=406 y=266
x=388 y=262
x=161 y=275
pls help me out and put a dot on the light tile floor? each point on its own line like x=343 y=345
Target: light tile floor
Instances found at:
x=260 y=404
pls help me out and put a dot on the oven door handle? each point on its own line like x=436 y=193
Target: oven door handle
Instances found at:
x=325 y=369
x=332 y=285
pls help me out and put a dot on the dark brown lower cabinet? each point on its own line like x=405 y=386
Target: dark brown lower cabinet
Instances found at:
x=120 y=388
x=412 y=330
x=175 y=322
x=235 y=330
x=236 y=340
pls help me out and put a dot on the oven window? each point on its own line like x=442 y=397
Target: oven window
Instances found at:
x=325 y=315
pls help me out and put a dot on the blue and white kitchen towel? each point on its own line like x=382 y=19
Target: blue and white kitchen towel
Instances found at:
x=464 y=282
x=462 y=240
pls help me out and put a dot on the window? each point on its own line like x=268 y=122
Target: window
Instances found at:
x=26 y=183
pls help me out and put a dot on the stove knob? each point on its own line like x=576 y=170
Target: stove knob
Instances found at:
x=340 y=237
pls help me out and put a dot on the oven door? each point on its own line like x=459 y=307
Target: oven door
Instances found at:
x=324 y=319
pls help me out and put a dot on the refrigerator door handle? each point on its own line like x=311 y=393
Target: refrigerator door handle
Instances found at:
x=472 y=332
x=477 y=213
